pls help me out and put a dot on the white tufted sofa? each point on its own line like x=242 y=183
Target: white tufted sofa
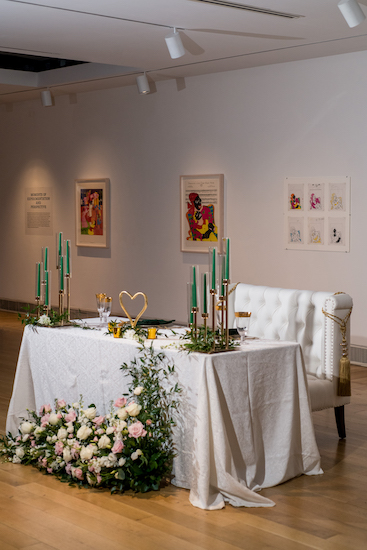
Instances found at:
x=296 y=315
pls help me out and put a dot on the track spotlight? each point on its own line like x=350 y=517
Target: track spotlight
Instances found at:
x=143 y=84
x=174 y=44
x=46 y=98
x=352 y=12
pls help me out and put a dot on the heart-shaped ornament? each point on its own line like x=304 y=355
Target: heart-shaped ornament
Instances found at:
x=133 y=323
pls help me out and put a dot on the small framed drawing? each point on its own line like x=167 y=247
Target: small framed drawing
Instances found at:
x=92 y=212
x=202 y=212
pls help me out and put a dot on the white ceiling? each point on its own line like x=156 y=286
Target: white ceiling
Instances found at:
x=122 y=38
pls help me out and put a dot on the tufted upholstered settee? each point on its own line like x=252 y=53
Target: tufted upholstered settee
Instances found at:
x=296 y=315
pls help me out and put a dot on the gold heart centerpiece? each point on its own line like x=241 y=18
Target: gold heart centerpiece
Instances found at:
x=133 y=323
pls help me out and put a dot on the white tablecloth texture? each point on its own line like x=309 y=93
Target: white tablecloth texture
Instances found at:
x=244 y=420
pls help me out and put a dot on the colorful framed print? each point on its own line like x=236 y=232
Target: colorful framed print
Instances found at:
x=202 y=212
x=92 y=212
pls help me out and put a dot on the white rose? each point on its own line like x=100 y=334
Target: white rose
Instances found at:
x=122 y=461
x=133 y=409
x=138 y=390
x=110 y=430
x=25 y=437
x=86 y=453
x=66 y=454
x=20 y=452
x=70 y=429
x=53 y=420
x=90 y=413
x=75 y=405
x=62 y=433
x=104 y=442
x=121 y=425
x=16 y=460
x=38 y=430
x=134 y=455
x=112 y=458
x=83 y=432
x=26 y=427
x=44 y=320
x=122 y=413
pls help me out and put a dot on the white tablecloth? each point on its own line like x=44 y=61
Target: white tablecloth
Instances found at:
x=244 y=420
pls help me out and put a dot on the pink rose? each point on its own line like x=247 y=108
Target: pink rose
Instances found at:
x=74 y=453
x=98 y=420
x=137 y=430
x=78 y=473
x=118 y=446
x=120 y=402
x=61 y=403
x=44 y=462
x=45 y=409
x=33 y=443
x=49 y=470
x=59 y=447
x=148 y=422
x=68 y=468
x=71 y=416
x=99 y=478
x=44 y=420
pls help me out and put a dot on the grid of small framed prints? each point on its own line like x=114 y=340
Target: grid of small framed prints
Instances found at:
x=317 y=213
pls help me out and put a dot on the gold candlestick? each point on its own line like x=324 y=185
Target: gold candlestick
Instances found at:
x=195 y=311
x=225 y=284
x=61 y=304
x=38 y=302
x=67 y=277
x=205 y=317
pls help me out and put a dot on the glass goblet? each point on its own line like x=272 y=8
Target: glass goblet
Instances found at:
x=100 y=304
x=242 y=324
x=107 y=306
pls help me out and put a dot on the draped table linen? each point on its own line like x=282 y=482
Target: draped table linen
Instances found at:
x=243 y=423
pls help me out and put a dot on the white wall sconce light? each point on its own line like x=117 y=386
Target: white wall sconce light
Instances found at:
x=46 y=98
x=143 y=84
x=352 y=12
x=174 y=44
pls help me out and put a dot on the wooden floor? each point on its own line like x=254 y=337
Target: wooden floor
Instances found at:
x=327 y=512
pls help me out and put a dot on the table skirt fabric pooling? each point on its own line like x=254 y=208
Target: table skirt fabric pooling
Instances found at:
x=243 y=423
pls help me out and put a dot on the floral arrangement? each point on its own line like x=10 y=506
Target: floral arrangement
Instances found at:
x=127 y=331
x=129 y=448
x=51 y=320
x=204 y=341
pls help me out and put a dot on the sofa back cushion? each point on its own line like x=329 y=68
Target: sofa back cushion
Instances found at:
x=288 y=314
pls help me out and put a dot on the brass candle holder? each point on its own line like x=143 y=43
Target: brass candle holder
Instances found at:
x=67 y=278
x=226 y=284
x=195 y=311
x=205 y=317
x=38 y=306
x=61 y=305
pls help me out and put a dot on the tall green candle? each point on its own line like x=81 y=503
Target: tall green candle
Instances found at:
x=226 y=272
x=194 y=293
x=205 y=306
x=61 y=273
x=67 y=257
x=38 y=286
x=213 y=270
x=60 y=244
x=45 y=267
x=222 y=275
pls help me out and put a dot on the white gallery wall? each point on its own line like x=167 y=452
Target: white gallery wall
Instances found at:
x=256 y=126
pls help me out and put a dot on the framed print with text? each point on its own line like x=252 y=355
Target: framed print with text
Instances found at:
x=92 y=210
x=202 y=212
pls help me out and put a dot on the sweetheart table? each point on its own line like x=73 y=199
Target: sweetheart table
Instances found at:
x=243 y=423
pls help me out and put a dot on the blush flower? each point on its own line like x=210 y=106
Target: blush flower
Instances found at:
x=71 y=416
x=120 y=402
x=118 y=446
x=133 y=409
x=137 y=430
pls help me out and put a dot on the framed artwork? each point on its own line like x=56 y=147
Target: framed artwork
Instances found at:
x=317 y=213
x=92 y=212
x=202 y=212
